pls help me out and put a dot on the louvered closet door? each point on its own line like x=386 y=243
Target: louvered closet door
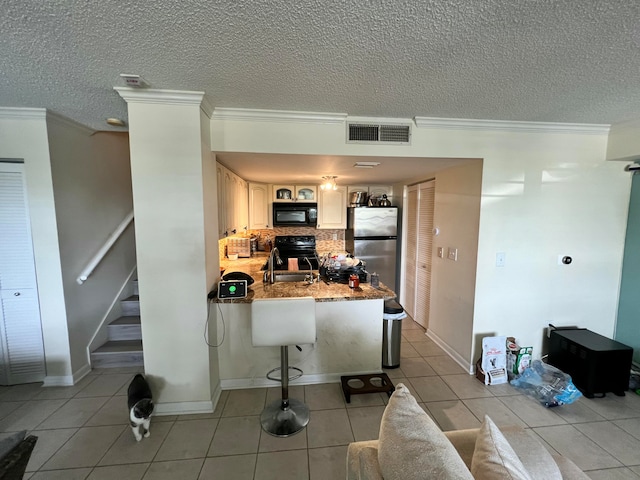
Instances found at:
x=411 y=253
x=426 y=203
x=20 y=328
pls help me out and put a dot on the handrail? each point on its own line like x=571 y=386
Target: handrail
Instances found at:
x=97 y=258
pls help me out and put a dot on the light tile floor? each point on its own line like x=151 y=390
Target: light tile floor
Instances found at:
x=83 y=430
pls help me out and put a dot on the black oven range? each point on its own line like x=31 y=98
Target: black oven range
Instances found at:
x=300 y=247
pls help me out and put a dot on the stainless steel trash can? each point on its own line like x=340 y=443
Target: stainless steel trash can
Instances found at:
x=392 y=333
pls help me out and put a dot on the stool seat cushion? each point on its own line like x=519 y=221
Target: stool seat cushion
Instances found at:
x=283 y=321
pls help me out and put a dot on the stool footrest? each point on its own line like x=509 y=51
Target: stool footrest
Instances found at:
x=279 y=379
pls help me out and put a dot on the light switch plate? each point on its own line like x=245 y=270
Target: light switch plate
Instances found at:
x=440 y=252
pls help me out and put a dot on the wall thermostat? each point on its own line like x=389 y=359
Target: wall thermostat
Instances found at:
x=232 y=289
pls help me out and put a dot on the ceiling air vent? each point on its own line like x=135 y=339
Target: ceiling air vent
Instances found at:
x=376 y=133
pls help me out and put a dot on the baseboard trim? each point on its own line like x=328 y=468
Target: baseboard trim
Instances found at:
x=67 y=380
x=238 y=383
x=183 y=408
x=464 y=363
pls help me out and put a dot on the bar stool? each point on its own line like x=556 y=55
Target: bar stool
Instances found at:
x=283 y=322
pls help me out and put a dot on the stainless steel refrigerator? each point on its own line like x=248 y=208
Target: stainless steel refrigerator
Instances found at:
x=372 y=236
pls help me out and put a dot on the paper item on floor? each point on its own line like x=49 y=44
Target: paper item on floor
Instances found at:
x=494 y=360
x=292 y=264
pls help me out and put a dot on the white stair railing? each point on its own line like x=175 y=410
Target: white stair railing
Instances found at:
x=97 y=258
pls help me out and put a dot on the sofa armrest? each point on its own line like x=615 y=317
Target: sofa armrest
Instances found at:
x=362 y=461
x=464 y=442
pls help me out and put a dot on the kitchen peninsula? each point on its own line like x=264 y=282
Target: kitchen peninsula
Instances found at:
x=348 y=322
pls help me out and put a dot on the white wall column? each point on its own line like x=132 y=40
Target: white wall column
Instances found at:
x=167 y=165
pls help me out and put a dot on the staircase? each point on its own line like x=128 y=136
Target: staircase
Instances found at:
x=124 y=345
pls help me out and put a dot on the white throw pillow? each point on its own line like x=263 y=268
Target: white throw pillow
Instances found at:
x=493 y=457
x=411 y=446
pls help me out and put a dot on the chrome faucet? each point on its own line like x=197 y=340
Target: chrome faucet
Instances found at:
x=272 y=273
x=309 y=277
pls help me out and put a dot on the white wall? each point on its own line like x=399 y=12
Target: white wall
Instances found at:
x=92 y=190
x=23 y=135
x=457 y=216
x=544 y=193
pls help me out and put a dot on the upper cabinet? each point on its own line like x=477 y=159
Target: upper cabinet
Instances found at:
x=295 y=193
x=233 y=203
x=379 y=190
x=260 y=212
x=373 y=191
x=332 y=209
x=220 y=171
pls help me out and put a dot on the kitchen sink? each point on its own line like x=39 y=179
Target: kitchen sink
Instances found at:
x=294 y=277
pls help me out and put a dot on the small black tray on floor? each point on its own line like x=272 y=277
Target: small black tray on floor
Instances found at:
x=385 y=385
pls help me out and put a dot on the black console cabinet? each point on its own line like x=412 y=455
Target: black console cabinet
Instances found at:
x=596 y=364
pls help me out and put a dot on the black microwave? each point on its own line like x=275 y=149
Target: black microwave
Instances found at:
x=295 y=214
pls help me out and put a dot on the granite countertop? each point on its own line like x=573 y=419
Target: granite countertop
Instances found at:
x=321 y=291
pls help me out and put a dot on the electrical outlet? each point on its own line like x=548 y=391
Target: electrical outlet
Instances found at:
x=335 y=236
x=452 y=254
x=501 y=259
x=440 y=252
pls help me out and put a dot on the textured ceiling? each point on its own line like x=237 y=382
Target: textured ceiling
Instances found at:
x=535 y=60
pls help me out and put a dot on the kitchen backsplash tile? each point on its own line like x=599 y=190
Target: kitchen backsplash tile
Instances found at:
x=324 y=238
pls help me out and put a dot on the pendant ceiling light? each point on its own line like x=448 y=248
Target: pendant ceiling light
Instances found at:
x=329 y=183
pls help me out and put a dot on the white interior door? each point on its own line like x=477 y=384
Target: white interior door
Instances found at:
x=411 y=251
x=22 y=354
x=426 y=202
x=419 y=247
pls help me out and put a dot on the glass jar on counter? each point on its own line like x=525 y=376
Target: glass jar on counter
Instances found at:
x=354 y=281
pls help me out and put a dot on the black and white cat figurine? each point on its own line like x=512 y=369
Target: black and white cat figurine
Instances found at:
x=140 y=406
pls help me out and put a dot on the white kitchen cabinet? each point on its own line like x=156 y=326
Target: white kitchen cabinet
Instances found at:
x=295 y=193
x=379 y=190
x=332 y=209
x=358 y=188
x=233 y=203
x=373 y=191
x=222 y=221
x=230 y=210
x=260 y=211
x=242 y=205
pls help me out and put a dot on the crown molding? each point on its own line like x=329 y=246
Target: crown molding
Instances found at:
x=277 y=116
x=57 y=118
x=163 y=97
x=207 y=107
x=513 y=126
x=15 y=113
